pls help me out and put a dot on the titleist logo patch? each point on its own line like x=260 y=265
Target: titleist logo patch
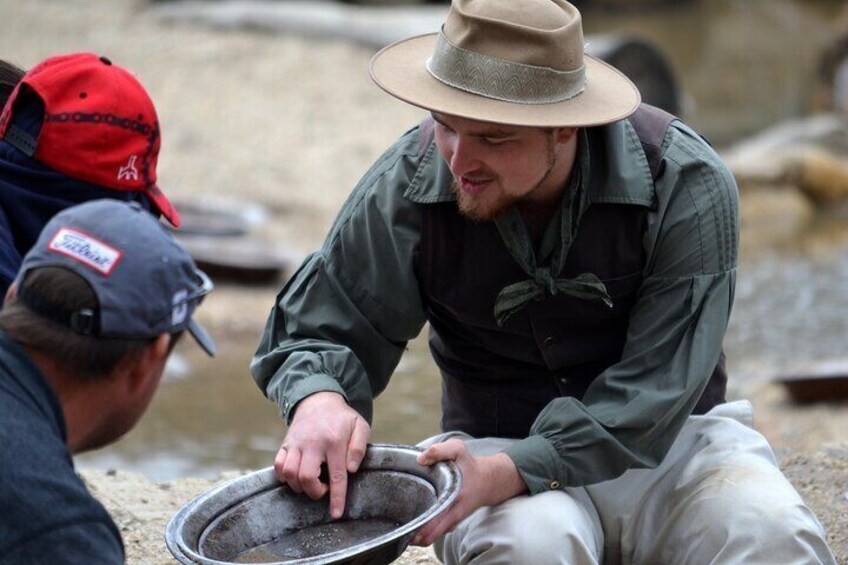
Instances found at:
x=85 y=249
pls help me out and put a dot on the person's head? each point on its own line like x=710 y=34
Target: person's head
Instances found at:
x=509 y=85
x=10 y=76
x=91 y=120
x=99 y=302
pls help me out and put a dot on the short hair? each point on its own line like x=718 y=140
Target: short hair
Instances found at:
x=81 y=356
x=10 y=76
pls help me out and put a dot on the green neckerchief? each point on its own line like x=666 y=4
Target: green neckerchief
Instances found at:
x=552 y=251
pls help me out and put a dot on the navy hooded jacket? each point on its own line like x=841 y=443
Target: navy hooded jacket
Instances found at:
x=31 y=193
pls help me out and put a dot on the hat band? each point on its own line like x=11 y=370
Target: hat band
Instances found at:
x=499 y=79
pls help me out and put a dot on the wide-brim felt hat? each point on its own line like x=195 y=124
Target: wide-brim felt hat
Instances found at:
x=508 y=62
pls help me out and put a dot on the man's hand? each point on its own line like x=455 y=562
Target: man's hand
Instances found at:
x=324 y=430
x=486 y=481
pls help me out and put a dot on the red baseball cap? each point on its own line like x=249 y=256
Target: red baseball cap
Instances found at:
x=99 y=125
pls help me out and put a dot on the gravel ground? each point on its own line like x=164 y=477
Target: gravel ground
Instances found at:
x=291 y=123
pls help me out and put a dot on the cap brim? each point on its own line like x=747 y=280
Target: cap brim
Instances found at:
x=163 y=205
x=202 y=337
x=400 y=69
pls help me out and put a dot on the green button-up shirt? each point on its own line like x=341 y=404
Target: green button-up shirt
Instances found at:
x=342 y=321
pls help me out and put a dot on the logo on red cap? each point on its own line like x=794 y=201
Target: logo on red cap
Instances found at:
x=128 y=171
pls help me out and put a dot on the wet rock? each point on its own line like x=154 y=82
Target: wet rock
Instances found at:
x=821 y=175
x=808 y=155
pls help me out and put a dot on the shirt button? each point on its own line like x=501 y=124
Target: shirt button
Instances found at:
x=563 y=380
x=554 y=485
x=549 y=341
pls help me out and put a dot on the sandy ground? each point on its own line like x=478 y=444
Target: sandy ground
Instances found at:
x=142 y=508
x=291 y=123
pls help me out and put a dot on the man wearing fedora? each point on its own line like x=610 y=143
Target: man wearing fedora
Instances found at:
x=75 y=128
x=574 y=253
x=99 y=303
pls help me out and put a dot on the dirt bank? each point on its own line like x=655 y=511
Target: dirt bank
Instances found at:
x=142 y=508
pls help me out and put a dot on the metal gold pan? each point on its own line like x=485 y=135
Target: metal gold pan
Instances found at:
x=256 y=519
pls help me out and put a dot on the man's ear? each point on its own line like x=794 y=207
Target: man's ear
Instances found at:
x=148 y=363
x=564 y=134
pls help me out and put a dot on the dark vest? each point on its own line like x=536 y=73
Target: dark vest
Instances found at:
x=496 y=380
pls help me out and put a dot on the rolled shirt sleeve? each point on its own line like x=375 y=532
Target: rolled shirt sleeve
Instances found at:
x=632 y=412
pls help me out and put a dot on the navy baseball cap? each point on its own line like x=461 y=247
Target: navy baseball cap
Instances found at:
x=146 y=283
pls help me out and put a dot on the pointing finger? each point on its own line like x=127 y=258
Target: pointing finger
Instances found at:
x=337 y=469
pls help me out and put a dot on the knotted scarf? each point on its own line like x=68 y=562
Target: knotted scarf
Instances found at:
x=542 y=279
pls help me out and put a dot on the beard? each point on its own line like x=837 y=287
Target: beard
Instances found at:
x=476 y=209
x=473 y=209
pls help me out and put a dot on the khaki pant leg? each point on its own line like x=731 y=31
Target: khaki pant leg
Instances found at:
x=718 y=497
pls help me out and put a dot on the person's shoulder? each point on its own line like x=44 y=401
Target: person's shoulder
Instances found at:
x=402 y=153
x=37 y=476
x=690 y=163
x=684 y=144
x=30 y=413
x=694 y=167
x=93 y=542
x=35 y=464
x=54 y=514
x=410 y=168
x=401 y=178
